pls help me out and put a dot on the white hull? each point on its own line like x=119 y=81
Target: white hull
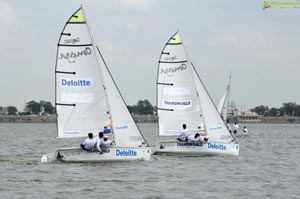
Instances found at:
x=115 y=154
x=196 y=149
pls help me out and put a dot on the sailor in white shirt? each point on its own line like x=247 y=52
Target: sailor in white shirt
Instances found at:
x=105 y=145
x=235 y=128
x=245 y=131
x=197 y=138
x=99 y=140
x=89 y=143
x=229 y=128
x=183 y=134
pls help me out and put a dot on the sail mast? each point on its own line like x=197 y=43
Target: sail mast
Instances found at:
x=227 y=99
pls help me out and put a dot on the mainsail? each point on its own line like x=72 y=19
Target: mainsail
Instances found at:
x=80 y=97
x=177 y=101
x=87 y=98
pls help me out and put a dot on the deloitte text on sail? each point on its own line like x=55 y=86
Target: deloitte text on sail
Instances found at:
x=76 y=82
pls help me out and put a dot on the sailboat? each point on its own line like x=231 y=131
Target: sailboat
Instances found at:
x=183 y=99
x=224 y=102
x=87 y=99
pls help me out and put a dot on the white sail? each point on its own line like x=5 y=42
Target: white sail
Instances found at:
x=214 y=125
x=177 y=101
x=125 y=130
x=80 y=97
x=223 y=104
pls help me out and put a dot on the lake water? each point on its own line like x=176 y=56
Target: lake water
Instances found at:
x=268 y=167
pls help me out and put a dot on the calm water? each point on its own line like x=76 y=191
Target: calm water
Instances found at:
x=268 y=167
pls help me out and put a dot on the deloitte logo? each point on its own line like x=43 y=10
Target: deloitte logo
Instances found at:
x=217 y=146
x=76 y=82
x=126 y=152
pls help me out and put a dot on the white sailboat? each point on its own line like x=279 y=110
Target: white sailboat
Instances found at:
x=87 y=99
x=183 y=99
x=224 y=101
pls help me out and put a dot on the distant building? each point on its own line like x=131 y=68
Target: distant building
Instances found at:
x=247 y=116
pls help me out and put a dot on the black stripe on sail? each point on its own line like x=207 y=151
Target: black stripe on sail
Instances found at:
x=68 y=34
x=64 y=72
x=165 y=109
x=168 y=84
x=60 y=104
x=165 y=53
x=79 y=45
x=174 y=62
x=174 y=44
x=76 y=22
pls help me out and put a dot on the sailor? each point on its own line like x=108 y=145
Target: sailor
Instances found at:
x=203 y=139
x=183 y=134
x=99 y=140
x=105 y=144
x=235 y=128
x=197 y=138
x=245 y=131
x=193 y=138
x=229 y=128
x=89 y=143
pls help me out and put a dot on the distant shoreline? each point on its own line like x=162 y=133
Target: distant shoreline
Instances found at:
x=143 y=119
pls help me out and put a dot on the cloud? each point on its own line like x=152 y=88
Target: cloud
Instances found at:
x=141 y=5
x=138 y=4
x=7 y=13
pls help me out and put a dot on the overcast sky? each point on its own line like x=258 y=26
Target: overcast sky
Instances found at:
x=261 y=47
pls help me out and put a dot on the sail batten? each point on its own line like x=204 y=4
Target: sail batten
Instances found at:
x=70 y=45
x=172 y=62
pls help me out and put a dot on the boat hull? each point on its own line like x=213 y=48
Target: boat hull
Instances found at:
x=196 y=149
x=115 y=154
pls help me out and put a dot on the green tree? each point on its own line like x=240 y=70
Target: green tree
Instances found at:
x=2 y=110
x=143 y=107
x=261 y=110
x=289 y=108
x=47 y=107
x=11 y=110
x=274 y=112
x=33 y=107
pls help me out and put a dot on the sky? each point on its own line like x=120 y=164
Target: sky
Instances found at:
x=260 y=47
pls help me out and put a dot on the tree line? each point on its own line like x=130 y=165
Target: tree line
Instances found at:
x=143 y=107
x=290 y=109
x=31 y=108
